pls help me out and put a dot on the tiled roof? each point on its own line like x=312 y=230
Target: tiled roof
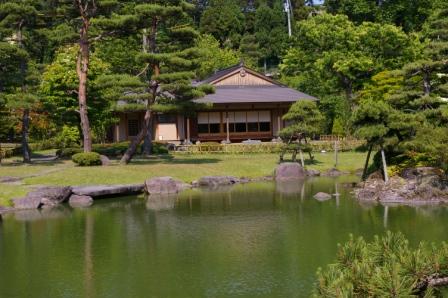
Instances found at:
x=254 y=94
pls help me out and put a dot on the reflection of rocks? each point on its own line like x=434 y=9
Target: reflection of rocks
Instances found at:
x=322 y=196
x=414 y=186
x=334 y=173
x=43 y=197
x=289 y=171
x=312 y=173
x=77 y=201
x=216 y=181
x=164 y=185
x=161 y=202
x=108 y=190
x=289 y=186
x=40 y=214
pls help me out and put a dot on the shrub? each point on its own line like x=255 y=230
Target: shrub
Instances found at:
x=67 y=152
x=68 y=137
x=87 y=159
x=382 y=267
x=159 y=148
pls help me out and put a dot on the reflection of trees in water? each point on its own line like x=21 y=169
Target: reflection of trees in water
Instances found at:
x=88 y=258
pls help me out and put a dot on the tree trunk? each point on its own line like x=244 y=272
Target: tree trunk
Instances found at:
x=301 y=158
x=147 y=143
x=426 y=82
x=364 y=172
x=25 y=136
x=82 y=68
x=335 y=154
x=383 y=157
x=138 y=139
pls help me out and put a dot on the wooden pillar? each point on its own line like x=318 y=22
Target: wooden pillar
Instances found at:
x=188 y=131
x=279 y=124
x=227 y=128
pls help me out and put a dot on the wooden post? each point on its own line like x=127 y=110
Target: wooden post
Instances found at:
x=335 y=154
x=301 y=158
x=188 y=131
x=364 y=172
x=279 y=123
x=227 y=128
x=383 y=157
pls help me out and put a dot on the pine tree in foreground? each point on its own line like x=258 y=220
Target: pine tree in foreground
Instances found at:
x=385 y=267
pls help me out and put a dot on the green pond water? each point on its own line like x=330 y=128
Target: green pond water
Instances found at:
x=254 y=240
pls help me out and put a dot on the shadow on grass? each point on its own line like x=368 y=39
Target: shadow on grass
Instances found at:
x=38 y=162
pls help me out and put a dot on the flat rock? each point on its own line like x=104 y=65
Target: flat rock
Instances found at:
x=43 y=197
x=322 y=196
x=77 y=201
x=107 y=190
x=289 y=171
x=164 y=185
x=216 y=181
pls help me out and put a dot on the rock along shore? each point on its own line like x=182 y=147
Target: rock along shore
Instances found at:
x=414 y=186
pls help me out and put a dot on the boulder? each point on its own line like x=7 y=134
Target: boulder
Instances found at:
x=105 y=161
x=77 y=201
x=312 y=173
x=164 y=185
x=322 y=196
x=108 y=190
x=216 y=181
x=43 y=197
x=289 y=171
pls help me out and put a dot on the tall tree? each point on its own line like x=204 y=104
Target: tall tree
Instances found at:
x=225 y=21
x=170 y=61
x=86 y=22
x=18 y=19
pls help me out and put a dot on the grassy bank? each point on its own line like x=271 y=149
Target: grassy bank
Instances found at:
x=181 y=166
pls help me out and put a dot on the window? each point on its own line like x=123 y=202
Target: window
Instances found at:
x=166 y=118
x=209 y=123
x=133 y=128
x=251 y=121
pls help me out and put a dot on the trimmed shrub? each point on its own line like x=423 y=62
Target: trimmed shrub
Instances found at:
x=68 y=152
x=159 y=148
x=87 y=159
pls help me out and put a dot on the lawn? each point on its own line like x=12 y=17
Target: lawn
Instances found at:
x=185 y=167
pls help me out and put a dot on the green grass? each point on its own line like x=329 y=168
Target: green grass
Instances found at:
x=181 y=166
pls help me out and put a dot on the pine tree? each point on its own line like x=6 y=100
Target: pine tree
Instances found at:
x=98 y=19
x=17 y=21
x=170 y=60
x=305 y=121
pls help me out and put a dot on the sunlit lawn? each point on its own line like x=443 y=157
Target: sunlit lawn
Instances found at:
x=185 y=167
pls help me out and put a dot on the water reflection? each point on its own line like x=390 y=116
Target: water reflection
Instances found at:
x=261 y=239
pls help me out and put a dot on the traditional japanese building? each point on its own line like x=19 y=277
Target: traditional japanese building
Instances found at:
x=245 y=105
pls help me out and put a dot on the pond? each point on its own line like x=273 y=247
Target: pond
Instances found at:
x=253 y=240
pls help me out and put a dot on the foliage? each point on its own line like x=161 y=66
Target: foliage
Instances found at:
x=224 y=20
x=87 y=159
x=385 y=267
x=68 y=152
x=68 y=137
x=305 y=119
x=409 y=15
x=213 y=57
